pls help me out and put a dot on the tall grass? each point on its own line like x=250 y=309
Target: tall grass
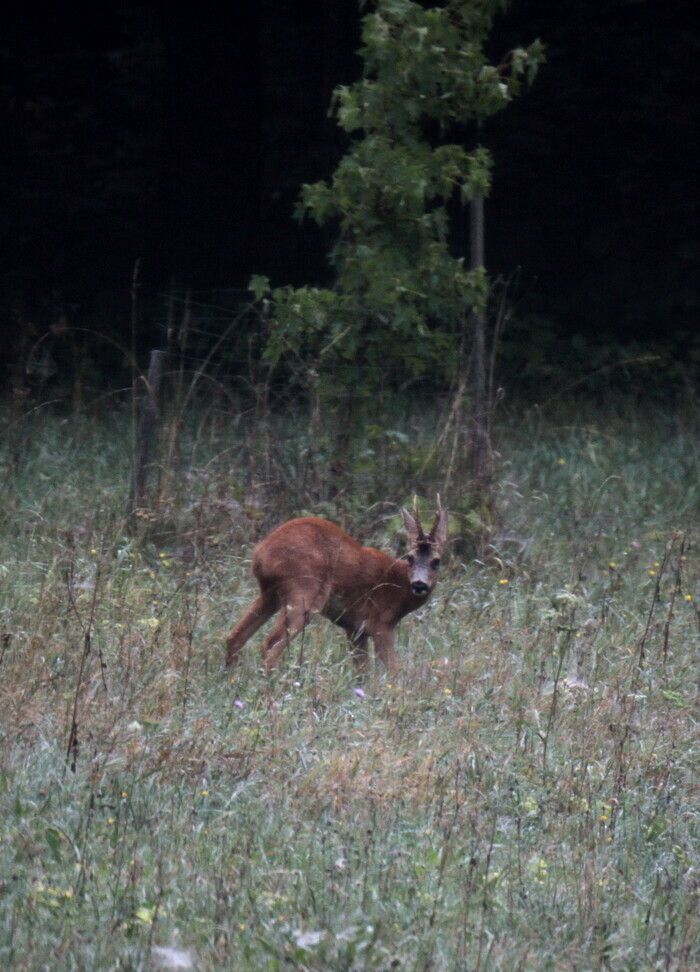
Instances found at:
x=520 y=797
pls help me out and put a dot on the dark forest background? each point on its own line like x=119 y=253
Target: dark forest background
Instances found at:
x=179 y=136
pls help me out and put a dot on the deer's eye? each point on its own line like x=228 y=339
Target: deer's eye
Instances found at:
x=410 y=560
x=435 y=563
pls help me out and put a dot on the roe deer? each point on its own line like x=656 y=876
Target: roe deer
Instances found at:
x=310 y=566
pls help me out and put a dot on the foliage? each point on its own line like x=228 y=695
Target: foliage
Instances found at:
x=533 y=355
x=400 y=295
x=522 y=796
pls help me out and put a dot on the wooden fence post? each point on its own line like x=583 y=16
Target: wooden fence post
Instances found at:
x=146 y=432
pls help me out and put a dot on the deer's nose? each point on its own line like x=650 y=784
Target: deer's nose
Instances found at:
x=419 y=587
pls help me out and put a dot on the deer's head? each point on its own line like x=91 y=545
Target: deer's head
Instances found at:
x=424 y=550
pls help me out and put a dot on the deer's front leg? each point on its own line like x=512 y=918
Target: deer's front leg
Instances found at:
x=384 y=638
x=292 y=619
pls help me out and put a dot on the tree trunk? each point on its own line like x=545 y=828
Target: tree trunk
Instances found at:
x=481 y=455
x=479 y=432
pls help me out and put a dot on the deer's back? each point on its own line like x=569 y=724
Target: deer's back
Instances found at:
x=313 y=546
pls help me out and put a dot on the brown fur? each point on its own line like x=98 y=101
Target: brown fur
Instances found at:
x=310 y=566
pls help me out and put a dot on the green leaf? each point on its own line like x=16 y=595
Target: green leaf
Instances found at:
x=259 y=286
x=54 y=839
x=676 y=699
x=146 y=914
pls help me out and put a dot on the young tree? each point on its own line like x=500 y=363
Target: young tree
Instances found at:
x=400 y=296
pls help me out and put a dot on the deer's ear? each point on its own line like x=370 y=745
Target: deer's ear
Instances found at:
x=438 y=534
x=412 y=525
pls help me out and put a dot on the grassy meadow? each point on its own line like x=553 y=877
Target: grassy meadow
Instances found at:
x=524 y=795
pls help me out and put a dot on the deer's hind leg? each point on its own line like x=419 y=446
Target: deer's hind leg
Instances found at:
x=260 y=611
x=296 y=608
